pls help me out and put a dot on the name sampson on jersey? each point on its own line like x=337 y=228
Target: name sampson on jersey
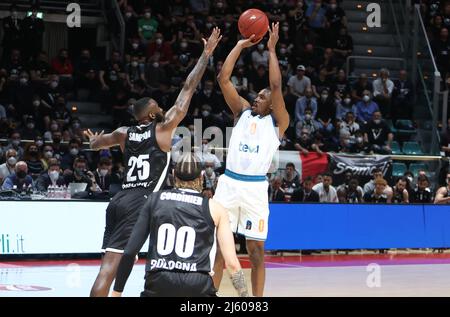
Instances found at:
x=138 y=137
x=196 y=200
x=171 y=265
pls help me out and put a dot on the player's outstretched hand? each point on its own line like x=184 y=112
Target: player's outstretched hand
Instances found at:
x=93 y=136
x=211 y=43
x=248 y=42
x=273 y=38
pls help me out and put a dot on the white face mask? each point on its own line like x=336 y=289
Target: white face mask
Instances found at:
x=184 y=44
x=36 y=103
x=135 y=45
x=377 y=121
x=54 y=175
x=159 y=41
x=54 y=127
x=12 y=160
x=324 y=97
x=76 y=125
x=410 y=179
x=347 y=101
x=103 y=172
x=260 y=47
x=209 y=171
x=39 y=143
x=359 y=140
x=30 y=126
x=155 y=64
x=54 y=84
x=74 y=151
x=205 y=113
x=148 y=15
x=307 y=117
x=208 y=25
x=15 y=143
x=366 y=98
x=134 y=64
x=48 y=154
x=23 y=81
x=283 y=50
x=128 y=14
x=285 y=28
x=333 y=6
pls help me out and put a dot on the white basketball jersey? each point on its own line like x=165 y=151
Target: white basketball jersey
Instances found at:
x=253 y=143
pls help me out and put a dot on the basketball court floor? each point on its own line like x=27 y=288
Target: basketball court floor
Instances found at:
x=287 y=276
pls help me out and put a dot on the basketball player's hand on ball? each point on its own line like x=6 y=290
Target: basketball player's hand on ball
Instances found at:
x=212 y=42
x=248 y=42
x=273 y=38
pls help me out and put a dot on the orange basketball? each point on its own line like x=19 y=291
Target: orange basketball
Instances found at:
x=253 y=21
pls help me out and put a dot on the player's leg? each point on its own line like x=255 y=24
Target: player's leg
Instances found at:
x=255 y=251
x=227 y=197
x=105 y=278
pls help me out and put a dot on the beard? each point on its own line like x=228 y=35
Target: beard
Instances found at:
x=159 y=117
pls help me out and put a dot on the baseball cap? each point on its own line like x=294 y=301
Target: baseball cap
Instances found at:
x=301 y=67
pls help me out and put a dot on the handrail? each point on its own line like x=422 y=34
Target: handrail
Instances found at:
x=417 y=7
x=121 y=20
x=373 y=58
x=397 y=30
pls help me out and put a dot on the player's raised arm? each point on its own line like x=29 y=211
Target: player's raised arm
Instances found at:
x=227 y=247
x=278 y=106
x=177 y=113
x=100 y=140
x=234 y=101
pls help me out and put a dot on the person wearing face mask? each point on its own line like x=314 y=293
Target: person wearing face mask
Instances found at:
x=147 y=26
x=366 y=107
x=161 y=48
x=29 y=131
x=326 y=111
x=209 y=175
x=52 y=177
x=134 y=71
x=33 y=159
x=443 y=193
x=304 y=142
x=11 y=31
x=343 y=106
x=441 y=50
x=308 y=122
x=260 y=56
x=155 y=73
x=19 y=181
x=135 y=48
x=342 y=46
x=308 y=101
x=315 y=14
x=8 y=167
x=240 y=81
x=103 y=174
x=15 y=144
x=131 y=23
x=359 y=146
x=335 y=19
x=378 y=134
x=74 y=151
x=349 y=125
x=383 y=88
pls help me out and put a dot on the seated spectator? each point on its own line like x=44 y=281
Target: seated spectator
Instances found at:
x=258 y=81
x=342 y=46
x=40 y=68
x=20 y=181
x=308 y=123
x=82 y=175
x=326 y=111
x=155 y=73
x=286 y=143
x=369 y=187
x=441 y=50
x=14 y=144
x=350 y=193
x=33 y=158
x=359 y=146
x=276 y=193
x=341 y=86
x=327 y=193
x=210 y=177
x=328 y=61
x=349 y=125
x=135 y=49
x=345 y=142
x=422 y=194
x=378 y=196
x=383 y=88
x=315 y=14
x=306 y=192
x=240 y=82
x=365 y=108
x=443 y=193
x=160 y=49
x=29 y=132
x=147 y=26
x=402 y=97
x=299 y=83
x=321 y=83
x=308 y=101
x=8 y=167
x=360 y=87
x=103 y=173
x=260 y=56
x=62 y=65
x=378 y=134
x=74 y=151
x=291 y=180
x=134 y=71
x=52 y=177
x=131 y=26
x=305 y=142
x=343 y=106
x=400 y=193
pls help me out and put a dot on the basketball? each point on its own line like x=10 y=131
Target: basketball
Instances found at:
x=253 y=21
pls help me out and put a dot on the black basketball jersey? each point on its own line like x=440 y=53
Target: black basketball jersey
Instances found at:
x=182 y=232
x=145 y=163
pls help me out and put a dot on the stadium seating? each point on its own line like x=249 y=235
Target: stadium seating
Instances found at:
x=412 y=148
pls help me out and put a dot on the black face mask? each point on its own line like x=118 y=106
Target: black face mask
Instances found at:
x=21 y=174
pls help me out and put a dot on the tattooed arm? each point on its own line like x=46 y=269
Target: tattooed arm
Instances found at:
x=177 y=113
x=227 y=247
